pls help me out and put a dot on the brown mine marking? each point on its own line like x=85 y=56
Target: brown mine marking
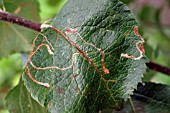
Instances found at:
x=82 y=53
x=17 y=10
x=74 y=76
x=106 y=71
x=141 y=47
x=44 y=68
x=86 y=69
x=60 y=90
x=34 y=80
x=136 y=31
x=113 y=81
x=74 y=31
x=49 y=105
x=77 y=90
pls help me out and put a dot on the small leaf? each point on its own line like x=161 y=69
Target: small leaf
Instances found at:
x=14 y=38
x=99 y=32
x=19 y=100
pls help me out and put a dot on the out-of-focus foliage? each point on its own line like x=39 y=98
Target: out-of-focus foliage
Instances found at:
x=12 y=63
x=10 y=71
x=49 y=8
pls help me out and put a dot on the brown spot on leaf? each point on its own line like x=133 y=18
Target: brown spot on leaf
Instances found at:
x=74 y=76
x=60 y=90
x=106 y=71
x=77 y=90
x=141 y=47
x=49 y=105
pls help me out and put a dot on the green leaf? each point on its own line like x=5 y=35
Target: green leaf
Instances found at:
x=150 y=98
x=19 y=100
x=145 y=17
x=168 y=2
x=10 y=71
x=10 y=67
x=49 y=8
x=14 y=38
x=108 y=25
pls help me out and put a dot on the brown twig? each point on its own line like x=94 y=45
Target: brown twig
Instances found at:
x=158 y=68
x=8 y=17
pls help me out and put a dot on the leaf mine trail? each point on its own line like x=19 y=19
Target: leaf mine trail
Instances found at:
x=45 y=68
x=80 y=52
x=73 y=31
x=139 y=46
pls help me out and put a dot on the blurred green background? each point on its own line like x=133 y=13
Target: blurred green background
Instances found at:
x=153 y=15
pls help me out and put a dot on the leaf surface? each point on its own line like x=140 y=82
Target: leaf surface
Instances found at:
x=150 y=98
x=14 y=38
x=104 y=25
x=19 y=100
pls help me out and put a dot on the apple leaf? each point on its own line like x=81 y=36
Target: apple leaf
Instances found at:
x=89 y=60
